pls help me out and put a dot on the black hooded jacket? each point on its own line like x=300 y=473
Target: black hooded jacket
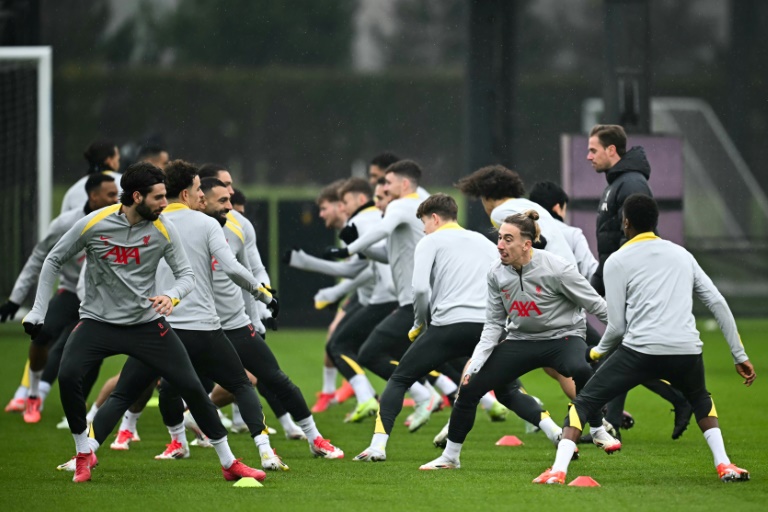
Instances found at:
x=629 y=176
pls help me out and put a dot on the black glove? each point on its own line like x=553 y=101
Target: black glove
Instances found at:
x=286 y=258
x=270 y=323
x=336 y=253
x=541 y=244
x=274 y=307
x=349 y=234
x=272 y=291
x=8 y=311
x=32 y=329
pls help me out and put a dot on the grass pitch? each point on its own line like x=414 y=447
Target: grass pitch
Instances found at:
x=652 y=472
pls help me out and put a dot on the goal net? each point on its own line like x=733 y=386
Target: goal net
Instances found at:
x=25 y=155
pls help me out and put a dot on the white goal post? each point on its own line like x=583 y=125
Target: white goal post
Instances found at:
x=42 y=56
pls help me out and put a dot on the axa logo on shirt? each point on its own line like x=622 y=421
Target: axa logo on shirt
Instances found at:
x=524 y=308
x=123 y=255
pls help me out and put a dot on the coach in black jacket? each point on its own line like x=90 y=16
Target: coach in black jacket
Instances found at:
x=627 y=173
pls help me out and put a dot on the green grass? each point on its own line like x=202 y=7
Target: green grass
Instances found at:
x=652 y=472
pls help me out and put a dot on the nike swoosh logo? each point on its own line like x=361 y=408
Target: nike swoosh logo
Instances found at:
x=163 y=333
x=102 y=237
x=503 y=290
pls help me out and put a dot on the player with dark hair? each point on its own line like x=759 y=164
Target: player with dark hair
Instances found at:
x=501 y=191
x=154 y=154
x=103 y=157
x=378 y=166
x=238 y=201
x=123 y=313
x=652 y=333
x=552 y=197
x=46 y=348
x=539 y=299
x=454 y=304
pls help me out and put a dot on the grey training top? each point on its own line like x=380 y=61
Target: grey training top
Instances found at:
x=649 y=287
x=403 y=231
x=228 y=297
x=578 y=243
x=543 y=301
x=203 y=240
x=452 y=263
x=122 y=260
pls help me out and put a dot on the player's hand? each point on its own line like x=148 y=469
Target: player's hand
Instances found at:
x=32 y=329
x=349 y=234
x=415 y=332
x=288 y=255
x=162 y=304
x=270 y=323
x=274 y=307
x=326 y=297
x=8 y=311
x=747 y=371
x=470 y=369
x=592 y=355
x=272 y=291
x=336 y=253
x=541 y=244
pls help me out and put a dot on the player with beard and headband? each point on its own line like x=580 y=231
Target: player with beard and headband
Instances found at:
x=124 y=313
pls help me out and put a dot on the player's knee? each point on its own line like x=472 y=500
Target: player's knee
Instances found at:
x=581 y=374
x=703 y=406
x=365 y=357
x=469 y=395
x=70 y=376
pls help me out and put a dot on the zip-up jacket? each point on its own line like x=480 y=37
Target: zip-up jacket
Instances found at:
x=543 y=301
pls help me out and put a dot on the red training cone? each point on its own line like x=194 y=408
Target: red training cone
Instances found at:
x=509 y=441
x=584 y=481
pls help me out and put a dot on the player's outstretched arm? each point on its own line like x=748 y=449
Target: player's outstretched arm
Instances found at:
x=72 y=242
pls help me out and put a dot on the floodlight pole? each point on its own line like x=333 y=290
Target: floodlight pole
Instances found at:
x=626 y=80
